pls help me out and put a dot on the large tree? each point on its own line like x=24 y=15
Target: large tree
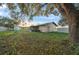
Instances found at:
x=72 y=15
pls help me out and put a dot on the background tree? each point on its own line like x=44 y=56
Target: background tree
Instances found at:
x=63 y=21
x=9 y=23
x=13 y=20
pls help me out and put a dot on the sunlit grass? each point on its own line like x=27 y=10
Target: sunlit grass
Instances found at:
x=6 y=33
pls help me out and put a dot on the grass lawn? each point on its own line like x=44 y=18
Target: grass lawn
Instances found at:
x=34 y=43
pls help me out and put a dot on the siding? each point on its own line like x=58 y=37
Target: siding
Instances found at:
x=43 y=28
x=52 y=28
x=64 y=29
x=47 y=28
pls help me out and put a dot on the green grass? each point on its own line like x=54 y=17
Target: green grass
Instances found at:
x=35 y=43
x=6 y=33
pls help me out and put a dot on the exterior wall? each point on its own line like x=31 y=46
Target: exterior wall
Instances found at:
x=63 y=29
x=52 y=28
x=3 y=28
x=47 y=28
x=43 y=28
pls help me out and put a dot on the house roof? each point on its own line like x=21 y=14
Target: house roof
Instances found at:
x=46 y=24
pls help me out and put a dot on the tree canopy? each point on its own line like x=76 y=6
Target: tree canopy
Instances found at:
x=9 y=23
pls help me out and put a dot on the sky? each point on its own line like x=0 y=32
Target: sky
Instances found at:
x=45 y=19
x=36 y=20
x=4 y=11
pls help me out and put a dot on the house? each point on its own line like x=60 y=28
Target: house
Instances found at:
x=64 y=29
x=47 y=27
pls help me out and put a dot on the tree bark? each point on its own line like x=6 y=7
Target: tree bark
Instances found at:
x=72 y=16
x=74 y=27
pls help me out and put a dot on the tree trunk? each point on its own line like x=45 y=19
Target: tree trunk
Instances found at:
x=73 y=20
x=74 y=27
